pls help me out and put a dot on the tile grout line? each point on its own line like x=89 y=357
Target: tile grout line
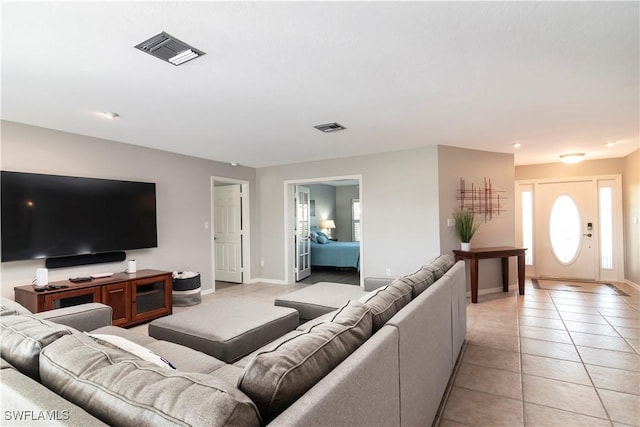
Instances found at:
x=524 y=422
x=606 y=411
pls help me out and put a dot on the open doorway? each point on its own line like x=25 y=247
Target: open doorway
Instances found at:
x=230 y=232
x=323 y=230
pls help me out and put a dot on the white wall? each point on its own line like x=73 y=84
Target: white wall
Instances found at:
x=182 y=191
x=399 y=202
x=474 y=166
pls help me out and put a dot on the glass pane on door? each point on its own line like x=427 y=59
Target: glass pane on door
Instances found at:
x=564 y=229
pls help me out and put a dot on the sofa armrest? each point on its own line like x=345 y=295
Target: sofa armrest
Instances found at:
x=83 y=317
x=373 y=283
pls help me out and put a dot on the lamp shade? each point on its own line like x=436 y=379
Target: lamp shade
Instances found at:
x=327 y=223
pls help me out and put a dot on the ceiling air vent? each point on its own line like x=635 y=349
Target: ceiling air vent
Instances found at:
x=330 y=127
x=169 y=49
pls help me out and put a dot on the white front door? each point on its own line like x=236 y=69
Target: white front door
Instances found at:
x=228 y=233
x=303 y=231
x=567 y=235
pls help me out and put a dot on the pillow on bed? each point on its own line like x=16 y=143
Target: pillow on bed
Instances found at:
x=322 y=240
x=313 y=236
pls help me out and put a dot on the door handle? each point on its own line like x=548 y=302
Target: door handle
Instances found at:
x=588 y=235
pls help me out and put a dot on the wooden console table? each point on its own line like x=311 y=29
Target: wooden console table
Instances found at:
x=134 y=298
x=502 y=252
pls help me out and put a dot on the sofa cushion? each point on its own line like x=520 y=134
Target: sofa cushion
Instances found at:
x=318 y=299
x=23 y=337
x=387 y=301
x=122 y=389
x=440 y=265
x=9 y=307
x=275 y=378
x=183 y=358
x=26 y=402
x=136 y=337
x=419 y=281
x=347 y=315
x=129 y=346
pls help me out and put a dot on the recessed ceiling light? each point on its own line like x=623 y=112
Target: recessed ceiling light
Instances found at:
x=572 y=158
x=517 y=145
x=111 y=115
x=610 y=144
x=330 y=127
x=234 y=164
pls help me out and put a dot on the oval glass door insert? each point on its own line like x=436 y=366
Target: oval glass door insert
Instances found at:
x=564 y=229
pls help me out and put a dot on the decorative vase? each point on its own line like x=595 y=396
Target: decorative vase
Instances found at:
x=465 y=246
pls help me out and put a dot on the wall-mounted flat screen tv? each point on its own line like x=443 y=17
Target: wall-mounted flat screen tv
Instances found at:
x=46 y=216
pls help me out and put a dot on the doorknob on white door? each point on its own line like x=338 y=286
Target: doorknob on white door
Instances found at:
x=588 y=235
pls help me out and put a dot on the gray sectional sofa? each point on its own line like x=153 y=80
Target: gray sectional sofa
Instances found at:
x=384 y=360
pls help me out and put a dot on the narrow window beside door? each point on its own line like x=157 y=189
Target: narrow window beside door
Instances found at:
x=606 y=228
x=527 y=226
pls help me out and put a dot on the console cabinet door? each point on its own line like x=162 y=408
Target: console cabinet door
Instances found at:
x=118 y=296
x=151 y=298
x=72 y=297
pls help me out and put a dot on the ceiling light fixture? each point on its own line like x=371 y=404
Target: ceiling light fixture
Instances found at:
x=517 y=145
x=330 y=127
x=572 y=158
x=610 y=144
x=111 y=115
x=234 y=164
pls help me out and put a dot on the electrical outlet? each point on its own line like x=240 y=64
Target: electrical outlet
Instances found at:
x=388 y=272
x=206 y=225
x=451 y=222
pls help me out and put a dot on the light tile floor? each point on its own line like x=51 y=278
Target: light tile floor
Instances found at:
x=564 y=354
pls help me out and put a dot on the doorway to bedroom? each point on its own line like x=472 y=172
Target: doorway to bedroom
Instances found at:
x=323 y=230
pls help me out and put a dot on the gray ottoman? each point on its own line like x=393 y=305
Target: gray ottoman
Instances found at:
x=226 y=330
x=319 y=299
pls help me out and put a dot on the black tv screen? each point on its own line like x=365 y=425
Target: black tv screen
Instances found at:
x=46 y=216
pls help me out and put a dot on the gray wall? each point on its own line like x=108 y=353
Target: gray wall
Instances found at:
x=474 y=166
x=182 y=191
x=399 y=203
x=325 y=200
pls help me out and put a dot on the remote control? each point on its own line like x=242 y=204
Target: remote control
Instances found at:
x=79 y=279
x=100 y=275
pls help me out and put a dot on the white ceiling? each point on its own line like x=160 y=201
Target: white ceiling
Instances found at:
x=557 y=77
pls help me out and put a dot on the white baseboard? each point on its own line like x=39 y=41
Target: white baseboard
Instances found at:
x=206 y=292
x=629 y=282
x=513 y=287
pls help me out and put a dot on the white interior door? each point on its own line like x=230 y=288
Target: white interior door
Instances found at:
x=567 y=234
x=303 y=230
x=228 y=233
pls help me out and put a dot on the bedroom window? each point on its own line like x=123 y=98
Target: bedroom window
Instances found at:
x=355 y=220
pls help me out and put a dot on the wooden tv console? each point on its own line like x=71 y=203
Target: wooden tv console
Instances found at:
x=135 y=298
